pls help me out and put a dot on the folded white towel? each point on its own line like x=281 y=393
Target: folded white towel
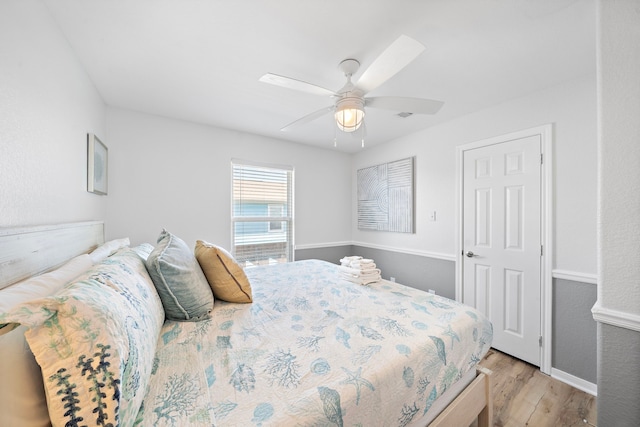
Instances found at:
x=359 y=273
x=374 y=272
x=350 y=259
x=363 y=281
x=357 y=262
x=362 y=262
x=364 y=267
x=358 y=277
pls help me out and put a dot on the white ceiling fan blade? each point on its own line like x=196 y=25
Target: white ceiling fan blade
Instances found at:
x=405 y=104
x=308 y=118
x=294 y=84
x=397 y=56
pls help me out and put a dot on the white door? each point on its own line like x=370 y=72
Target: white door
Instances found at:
x=502 y=241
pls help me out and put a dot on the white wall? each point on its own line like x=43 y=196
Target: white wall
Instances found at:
x=619 y=149
x=47 y=106
x=177 y=175
x=571 y=107
x=618 y=307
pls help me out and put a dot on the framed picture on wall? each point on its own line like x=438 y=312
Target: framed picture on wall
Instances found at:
x=97 y=154
x=386 y=197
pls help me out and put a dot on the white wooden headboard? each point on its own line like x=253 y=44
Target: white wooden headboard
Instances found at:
x=29 y=251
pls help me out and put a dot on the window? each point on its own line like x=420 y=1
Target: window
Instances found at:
x=262 y=213
x=276 y=211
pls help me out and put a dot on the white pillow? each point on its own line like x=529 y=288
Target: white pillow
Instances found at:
x=43 y=285
x=22 y=396
x=108 y=249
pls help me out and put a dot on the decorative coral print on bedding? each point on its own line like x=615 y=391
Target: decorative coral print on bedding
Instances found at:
x=104 y=385
x=95 y=341
x=316 y=350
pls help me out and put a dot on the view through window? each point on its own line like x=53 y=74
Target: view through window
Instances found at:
x=262 y=213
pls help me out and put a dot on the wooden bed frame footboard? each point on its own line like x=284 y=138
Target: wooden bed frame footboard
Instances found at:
x=475 y=401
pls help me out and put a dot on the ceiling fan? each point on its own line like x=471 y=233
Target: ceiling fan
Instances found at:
x=350 y=100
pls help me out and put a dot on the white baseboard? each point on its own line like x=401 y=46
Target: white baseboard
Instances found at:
x=574 y=381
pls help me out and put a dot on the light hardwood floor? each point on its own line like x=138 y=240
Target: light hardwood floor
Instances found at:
x=523 y=396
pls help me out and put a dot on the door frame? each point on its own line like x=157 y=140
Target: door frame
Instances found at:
x=546 y=227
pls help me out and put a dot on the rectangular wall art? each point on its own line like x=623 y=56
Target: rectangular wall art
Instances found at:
x=97 y=154
x=385 y=197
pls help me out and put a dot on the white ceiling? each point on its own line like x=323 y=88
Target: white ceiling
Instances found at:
x=200 y=60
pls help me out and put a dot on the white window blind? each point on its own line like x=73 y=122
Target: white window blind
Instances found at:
x=262 y=213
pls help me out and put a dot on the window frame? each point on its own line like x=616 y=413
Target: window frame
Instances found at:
x=288 y=206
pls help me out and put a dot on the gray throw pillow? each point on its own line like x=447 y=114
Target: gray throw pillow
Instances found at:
x=181 y=284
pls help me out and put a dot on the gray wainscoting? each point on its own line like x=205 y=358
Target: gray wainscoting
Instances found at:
x=412 y=270
x=618 y=376
x=574 y=331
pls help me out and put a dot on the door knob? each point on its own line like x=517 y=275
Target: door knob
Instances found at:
x=470 y=254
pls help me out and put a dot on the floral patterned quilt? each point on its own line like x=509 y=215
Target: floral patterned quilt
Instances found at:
x=313 y=350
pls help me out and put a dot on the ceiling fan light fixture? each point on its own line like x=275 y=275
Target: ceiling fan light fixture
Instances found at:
x=349 y=113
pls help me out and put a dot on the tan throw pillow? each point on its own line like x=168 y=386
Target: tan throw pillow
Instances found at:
x=225 y=276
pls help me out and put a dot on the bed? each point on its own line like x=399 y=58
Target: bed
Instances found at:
x=310 y=349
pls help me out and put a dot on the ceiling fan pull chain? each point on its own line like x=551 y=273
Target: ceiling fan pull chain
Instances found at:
x=364 y=126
